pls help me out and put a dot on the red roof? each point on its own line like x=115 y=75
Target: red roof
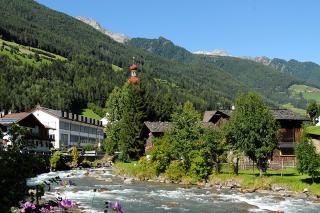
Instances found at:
x=133 y=80
x=18 y=116
x=133 y=67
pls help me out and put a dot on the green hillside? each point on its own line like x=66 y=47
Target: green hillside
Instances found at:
x=26 y=54
x=90 y=114
x=308 y=72
x=95 y=60
x=91 y=64
x=265 y=80
x=307 y=92
x=314 y=130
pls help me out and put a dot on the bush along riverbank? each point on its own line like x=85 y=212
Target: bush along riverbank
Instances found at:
x=290 y=184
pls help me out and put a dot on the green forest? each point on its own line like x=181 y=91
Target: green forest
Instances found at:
x=72 y=66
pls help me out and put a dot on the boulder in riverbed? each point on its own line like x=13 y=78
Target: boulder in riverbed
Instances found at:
x=278 y=188
x=128 y=181
x=103 y=190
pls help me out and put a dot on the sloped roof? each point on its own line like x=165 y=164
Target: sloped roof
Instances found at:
x=13 y=118
x=285 y=114
x=18 y=116
x=56 y=113
x=158 y=126
x=209 y=114
x=279 y=114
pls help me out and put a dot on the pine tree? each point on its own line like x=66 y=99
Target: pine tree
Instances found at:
x=126 y=108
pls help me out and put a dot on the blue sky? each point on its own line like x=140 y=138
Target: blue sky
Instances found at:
x=286 y=29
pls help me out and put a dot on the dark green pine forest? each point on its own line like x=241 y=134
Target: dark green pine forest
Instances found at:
x=270 y=83
x=71 y=65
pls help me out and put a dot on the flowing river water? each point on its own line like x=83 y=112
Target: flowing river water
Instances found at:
x=139 y=197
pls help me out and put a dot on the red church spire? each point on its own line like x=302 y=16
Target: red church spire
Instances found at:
x=133 y=78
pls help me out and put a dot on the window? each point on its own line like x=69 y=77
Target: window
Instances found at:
x=84 y=139
x=64 y=139
x=75 y=127
x=52 y=136
x=64 y=125
x=94 y=131
x=74 y=139
x=100 y=133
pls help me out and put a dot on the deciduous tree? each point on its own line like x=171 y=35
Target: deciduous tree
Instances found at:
x=308 y=158
x=252 y=129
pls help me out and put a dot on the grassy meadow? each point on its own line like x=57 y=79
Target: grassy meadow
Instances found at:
x=26 y=54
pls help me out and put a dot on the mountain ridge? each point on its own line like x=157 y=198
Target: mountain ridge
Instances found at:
x=119 y=37
x=91 y=55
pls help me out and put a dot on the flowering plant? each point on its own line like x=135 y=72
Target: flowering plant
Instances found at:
x=66 y=204
x=48 y=209
x=27 y=207
x=115 y=206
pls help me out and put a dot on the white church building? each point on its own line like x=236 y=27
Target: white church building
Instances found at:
x=68 y=129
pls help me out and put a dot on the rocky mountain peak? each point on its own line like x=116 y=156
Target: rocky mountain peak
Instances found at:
x=216 y=52
x=119 y=37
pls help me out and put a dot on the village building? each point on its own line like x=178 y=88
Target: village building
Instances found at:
x=37 y=137
x=290 y=129
x=68 y=129
x=151 y=130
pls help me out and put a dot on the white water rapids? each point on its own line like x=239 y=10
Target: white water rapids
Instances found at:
x=140 y=197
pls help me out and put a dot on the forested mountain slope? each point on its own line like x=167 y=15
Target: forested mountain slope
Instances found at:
x=88 y=71
x=306 y=71
x=265 y=80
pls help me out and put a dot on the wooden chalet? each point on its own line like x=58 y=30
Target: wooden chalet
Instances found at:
x=290 y=129
x=153 y=130
x=38 y=133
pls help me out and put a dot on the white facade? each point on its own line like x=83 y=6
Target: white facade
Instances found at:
x=318 y=121
x=69 y=129
x=104 y=121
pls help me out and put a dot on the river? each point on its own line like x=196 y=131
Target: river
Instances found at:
x=140 y=197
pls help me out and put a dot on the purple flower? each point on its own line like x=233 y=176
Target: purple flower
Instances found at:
x=27 y=206
x=116 y=206
x=66 y=204
x=48 y=209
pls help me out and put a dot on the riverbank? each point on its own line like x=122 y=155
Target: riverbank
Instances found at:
x=93 y=187
x=289 y=184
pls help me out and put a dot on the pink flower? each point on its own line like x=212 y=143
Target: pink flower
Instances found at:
x=66 y=204
x=116 y=206
x=48 y=209
x=27 y=206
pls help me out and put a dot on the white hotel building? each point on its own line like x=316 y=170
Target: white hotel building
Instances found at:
x=68 y=129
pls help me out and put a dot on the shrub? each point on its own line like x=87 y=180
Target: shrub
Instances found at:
x=175 y=171
x=58 y=161
x=161 y=158
x=75 y=156
x=89 y=147
x=86 y=164
x=200 y=166
x=308 y=159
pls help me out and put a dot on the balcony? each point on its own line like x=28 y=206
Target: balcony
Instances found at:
x=286 y=145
